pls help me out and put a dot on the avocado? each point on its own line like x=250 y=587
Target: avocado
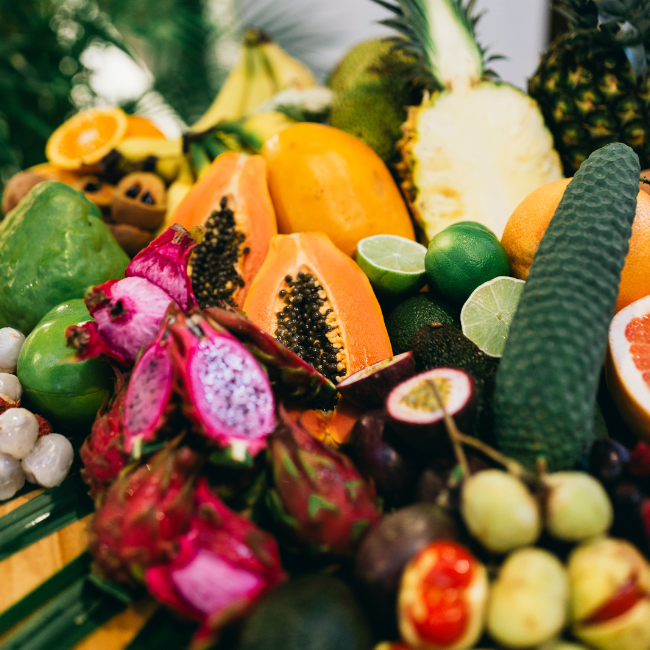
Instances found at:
x=405 y=319
x=438 y=345
x=548 y=377
x=53 y=245
x=315 y=612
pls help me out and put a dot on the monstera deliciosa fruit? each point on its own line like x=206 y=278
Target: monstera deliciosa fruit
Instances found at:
x=53 y=246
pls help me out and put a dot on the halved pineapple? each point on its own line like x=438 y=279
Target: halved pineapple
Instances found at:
x=475 y=148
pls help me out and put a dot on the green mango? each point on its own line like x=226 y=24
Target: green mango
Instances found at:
x=66 y=392
x=53 y=246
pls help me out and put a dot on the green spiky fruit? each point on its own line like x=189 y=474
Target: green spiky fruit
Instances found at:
x=548 y=377
x=592 y=85
x=474 y=149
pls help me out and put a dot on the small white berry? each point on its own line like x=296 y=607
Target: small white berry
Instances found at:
x=18 y=432
x=12 y=477
x=50 y=461
x=10 y=387
x=11 y=341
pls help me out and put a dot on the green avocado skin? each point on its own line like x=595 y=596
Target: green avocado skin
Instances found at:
x=65 y=392
x=53 y=246
x=548 y=376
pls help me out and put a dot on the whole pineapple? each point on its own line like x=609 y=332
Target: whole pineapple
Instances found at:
x=474 y=148
x=593 y=84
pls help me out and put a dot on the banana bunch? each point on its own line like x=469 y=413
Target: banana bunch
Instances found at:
x=263 y=70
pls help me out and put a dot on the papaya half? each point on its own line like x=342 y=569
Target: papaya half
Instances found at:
x=325 y=179
x=315 y=300
x=232 y=202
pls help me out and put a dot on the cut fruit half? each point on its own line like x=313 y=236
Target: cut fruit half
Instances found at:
x=86 y=137
x=488 y=312
x=627 y=366
x=394 y=265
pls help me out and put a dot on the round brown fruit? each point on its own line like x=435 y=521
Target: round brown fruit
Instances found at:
x=139 y=200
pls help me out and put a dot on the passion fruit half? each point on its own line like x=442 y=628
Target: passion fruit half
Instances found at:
x=416 y=414
x=95 y=190
x=139 y=200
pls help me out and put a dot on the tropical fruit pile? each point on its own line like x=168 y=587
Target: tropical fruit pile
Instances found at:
x=346 y=368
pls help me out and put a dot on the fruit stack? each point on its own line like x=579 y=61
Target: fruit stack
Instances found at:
x=375 y=375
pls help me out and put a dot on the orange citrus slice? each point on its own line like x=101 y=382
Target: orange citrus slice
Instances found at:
x=627 y=367
x=86 y=137
x=142 y=127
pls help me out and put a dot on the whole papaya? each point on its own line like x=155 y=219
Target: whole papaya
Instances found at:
x=53 y=246
x=67 y=393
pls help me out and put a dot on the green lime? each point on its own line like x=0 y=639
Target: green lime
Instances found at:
x=461 y=258
x=488 y=312
x=394 y=265
x=472 y=224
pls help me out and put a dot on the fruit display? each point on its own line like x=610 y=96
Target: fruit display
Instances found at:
x=253 y=397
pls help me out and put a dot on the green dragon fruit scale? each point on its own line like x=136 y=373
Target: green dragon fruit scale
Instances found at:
x=224 y=564
x=318 y=493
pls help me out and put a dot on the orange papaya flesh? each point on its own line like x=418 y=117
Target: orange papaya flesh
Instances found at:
x=332 y=427
x=232 y=202
x=315 y=300
x=324 y=179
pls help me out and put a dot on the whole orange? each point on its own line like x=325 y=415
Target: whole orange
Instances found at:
x=324 y=179
x=529 y=221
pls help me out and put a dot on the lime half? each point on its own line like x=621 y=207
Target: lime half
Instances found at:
x=488 y=312
x=394 y=265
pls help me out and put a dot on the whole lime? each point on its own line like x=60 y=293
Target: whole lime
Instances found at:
x=461 y=258
x=66 y=392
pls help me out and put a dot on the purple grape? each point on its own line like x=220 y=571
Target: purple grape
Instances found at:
x=607 y=460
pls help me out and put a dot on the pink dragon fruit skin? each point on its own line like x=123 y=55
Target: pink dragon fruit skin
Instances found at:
x=128 y=312
x=164 y=263
x=102 y=452
x=224 y=564
x=143 y=514
x=148 y=401
x=318 y=494
x=225 y=392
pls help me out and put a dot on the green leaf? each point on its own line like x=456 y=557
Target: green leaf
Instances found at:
x=162 y=630
x=56 y=508
x=54 y=585
x=66 y=620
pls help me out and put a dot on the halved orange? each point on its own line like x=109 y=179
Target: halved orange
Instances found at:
x=142 y=127
x=627 y=366
x=86 y=137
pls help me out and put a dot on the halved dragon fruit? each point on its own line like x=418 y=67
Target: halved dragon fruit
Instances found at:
x=299 y=381
x=224 y=564
x=148 y=401
x=164 y=263
x=128 y=312
x=369 y=387
x=225 y=391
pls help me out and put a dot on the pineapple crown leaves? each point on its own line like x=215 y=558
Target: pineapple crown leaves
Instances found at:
x=438 y=43
x=624 y=23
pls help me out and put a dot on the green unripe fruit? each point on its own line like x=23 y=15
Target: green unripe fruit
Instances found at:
x=66 y=392
x=499 y=511
x=529 y=601
x=577 y=506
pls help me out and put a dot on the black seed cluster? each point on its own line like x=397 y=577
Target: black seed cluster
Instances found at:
x=302 y=328
x=214 y=275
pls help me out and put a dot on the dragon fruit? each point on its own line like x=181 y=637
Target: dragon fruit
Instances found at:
x=298 y=380
x=225 y=392
x=143 y=514
x=224 y=564
x=102 y=452
x=128 y=312
x=148 y=401
x=318 y=493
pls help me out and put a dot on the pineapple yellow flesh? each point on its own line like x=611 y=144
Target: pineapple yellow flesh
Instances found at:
x=475 y=154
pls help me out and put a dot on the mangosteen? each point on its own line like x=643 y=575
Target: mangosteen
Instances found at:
x=379 y=455
x=139 y=200
x=369 y=387
x=389 y=546
x=415 y=413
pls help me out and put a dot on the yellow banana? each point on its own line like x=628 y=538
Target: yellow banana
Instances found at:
x=177 y=191
x=288 y=71
x=261 y=85
x=263 y=126
x=139 y=148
